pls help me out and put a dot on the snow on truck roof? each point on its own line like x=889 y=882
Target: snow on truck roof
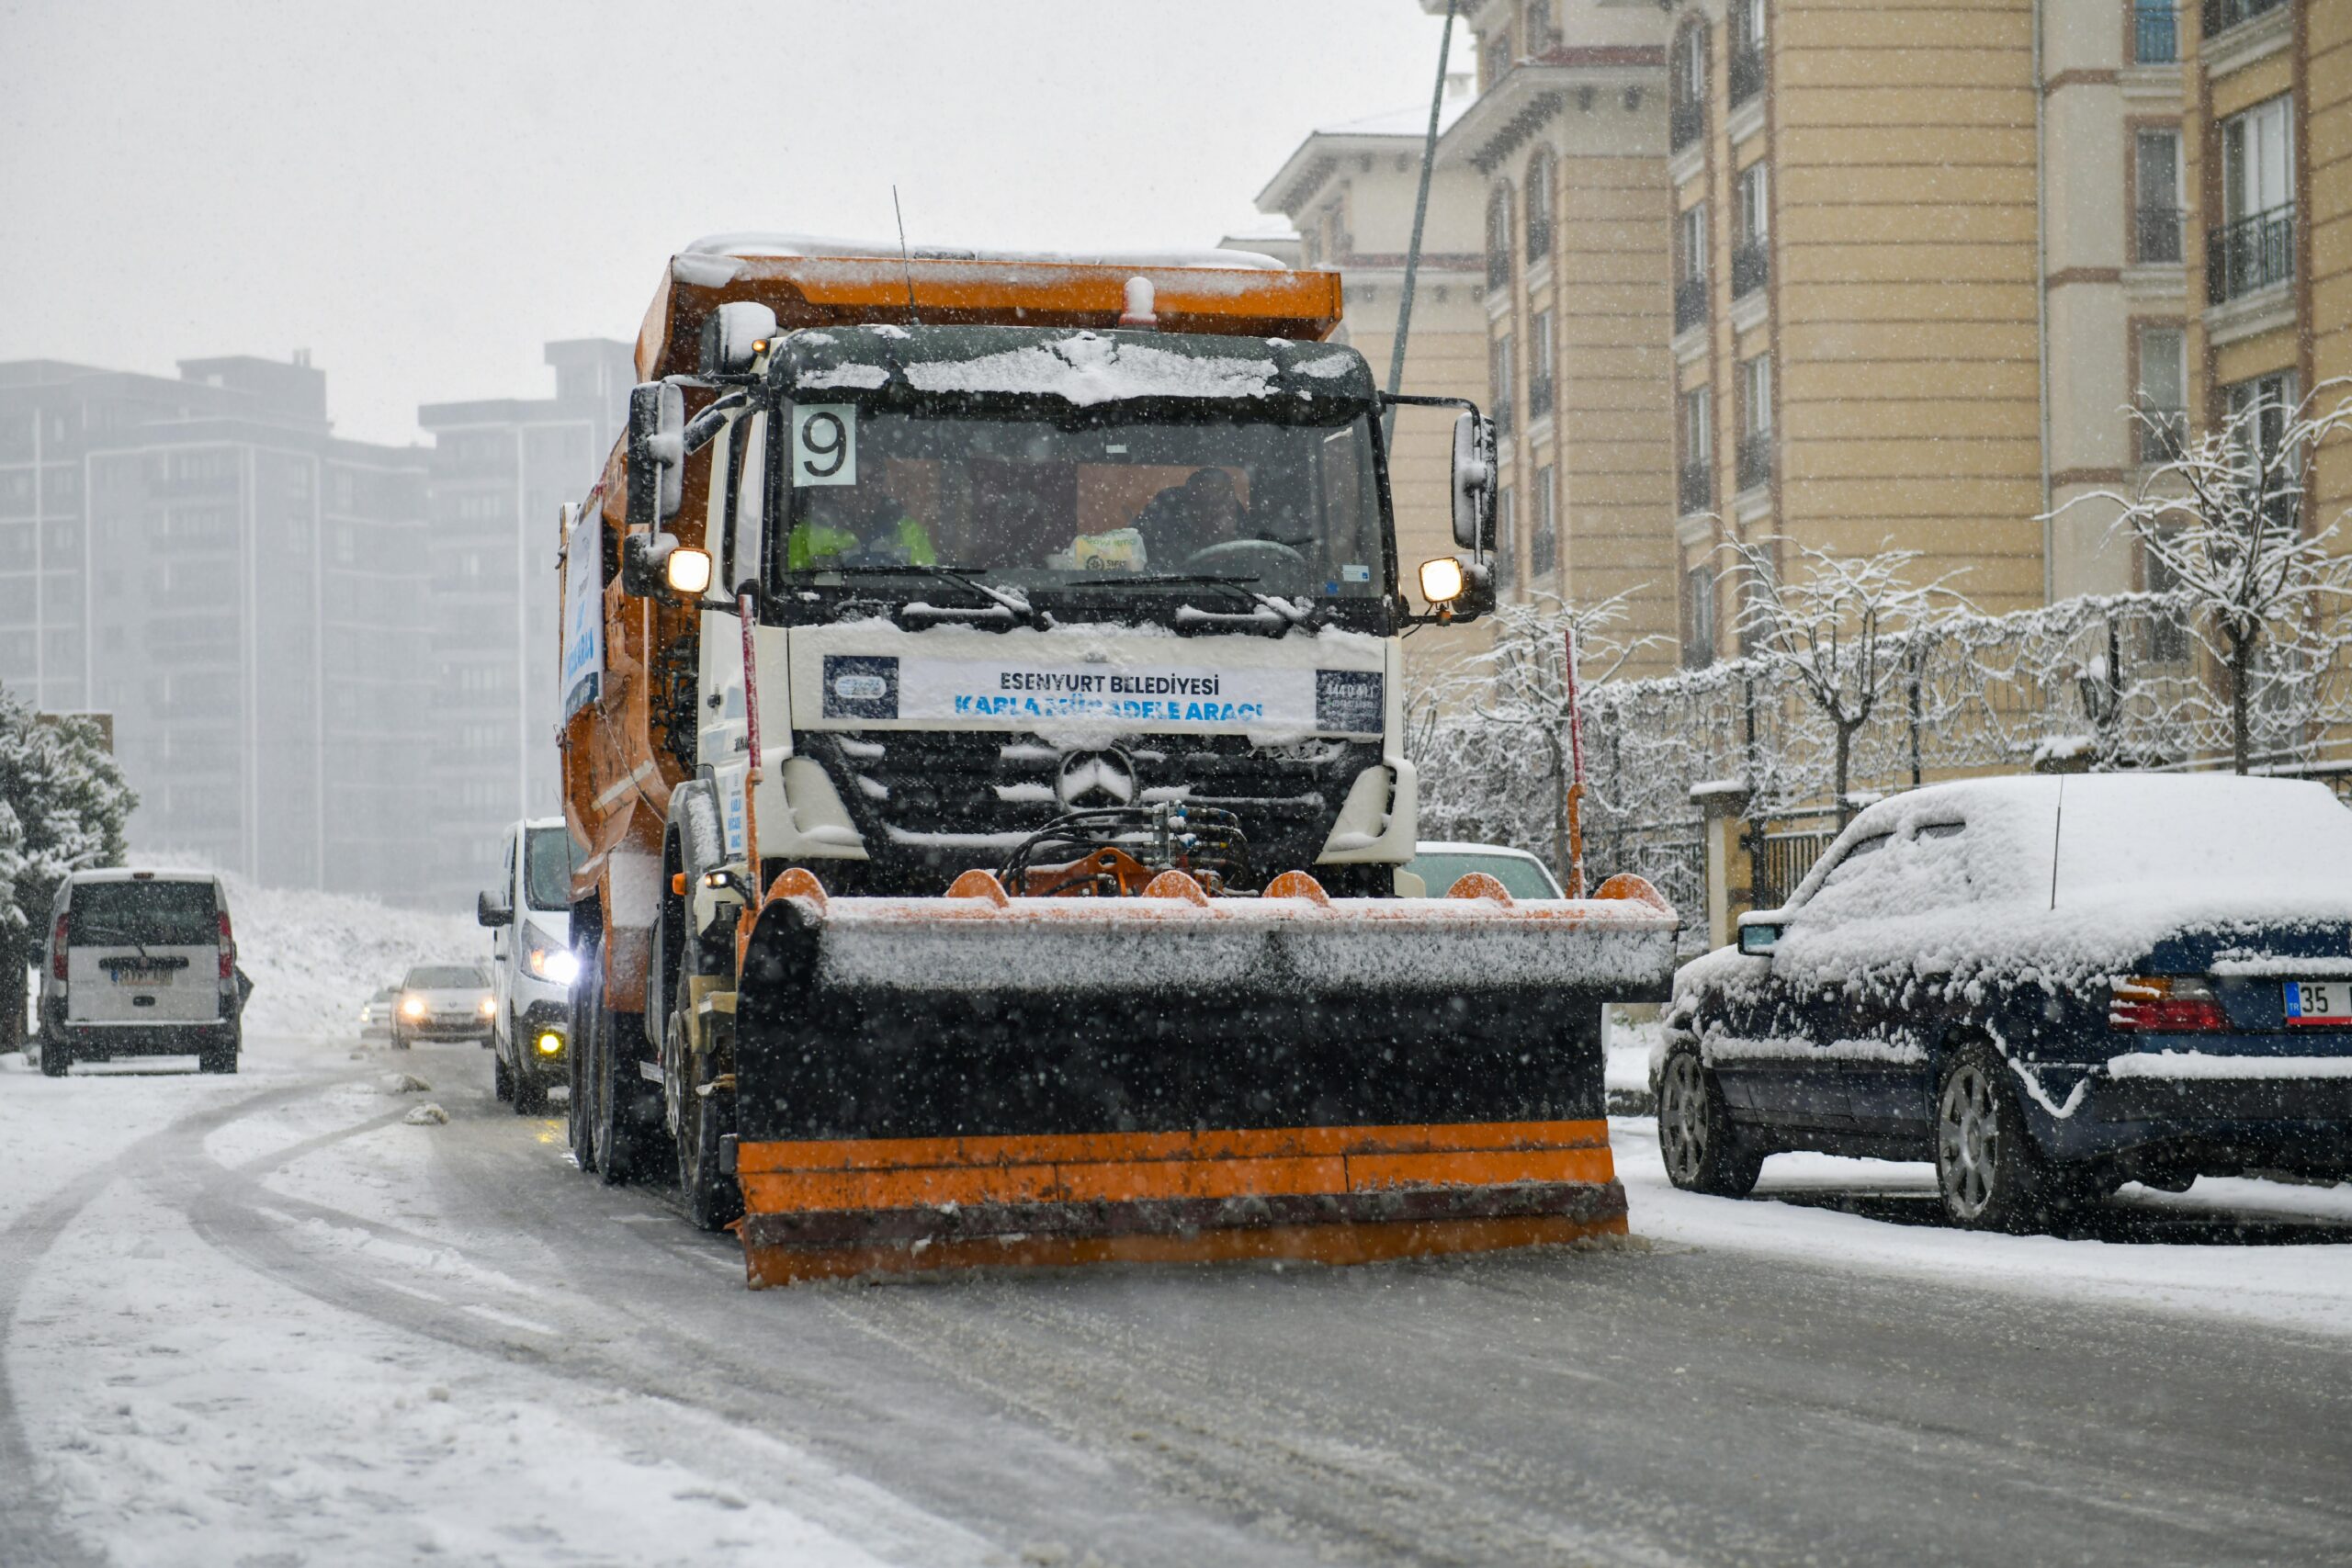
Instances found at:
x=751 y=243
x=813 y=283
x=1081 y=368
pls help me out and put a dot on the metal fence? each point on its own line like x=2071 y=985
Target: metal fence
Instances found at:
x=1783 y=857
x=1672 y=856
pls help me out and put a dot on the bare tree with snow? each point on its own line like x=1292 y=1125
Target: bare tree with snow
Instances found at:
x=2224 y=527
x=1837 y=627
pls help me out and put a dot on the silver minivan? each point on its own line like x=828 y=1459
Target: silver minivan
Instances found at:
x=140 y=963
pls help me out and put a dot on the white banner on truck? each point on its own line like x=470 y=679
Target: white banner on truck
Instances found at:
x=583 y=611
x=1147 y=696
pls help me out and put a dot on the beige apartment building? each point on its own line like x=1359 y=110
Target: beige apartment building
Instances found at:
x=1852 y=273
x=1348 y=192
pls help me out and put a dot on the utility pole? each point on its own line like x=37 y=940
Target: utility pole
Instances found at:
x=1421 y=215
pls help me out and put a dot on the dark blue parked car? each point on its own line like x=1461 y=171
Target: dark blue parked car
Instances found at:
x=2049 y=987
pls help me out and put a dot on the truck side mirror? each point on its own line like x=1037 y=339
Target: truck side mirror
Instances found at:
x=733 y=335
x=1473 y=484
x=490 y=914
x=656 y=453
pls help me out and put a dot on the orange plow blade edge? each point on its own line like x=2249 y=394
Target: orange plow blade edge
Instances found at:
x=980 y=1081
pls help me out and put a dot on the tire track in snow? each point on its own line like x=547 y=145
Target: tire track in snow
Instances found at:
x=28 y=1534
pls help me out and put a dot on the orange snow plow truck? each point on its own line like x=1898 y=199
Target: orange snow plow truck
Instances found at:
x=984 y=743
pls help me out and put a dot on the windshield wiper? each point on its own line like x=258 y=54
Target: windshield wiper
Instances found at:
x=1264 y=608
x=1012 y=603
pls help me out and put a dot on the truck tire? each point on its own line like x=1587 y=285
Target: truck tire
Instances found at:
x=501 y=1078
x=530 y=1090
x=587 y=1002
x=714 y=1199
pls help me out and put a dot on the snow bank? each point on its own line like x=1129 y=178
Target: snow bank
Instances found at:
x=314 y=957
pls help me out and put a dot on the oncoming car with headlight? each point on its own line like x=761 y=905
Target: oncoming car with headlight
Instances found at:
x=532 y=967
x=443 y=1001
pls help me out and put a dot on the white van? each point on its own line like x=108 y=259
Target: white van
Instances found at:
x=532 y=968
x=140 y=963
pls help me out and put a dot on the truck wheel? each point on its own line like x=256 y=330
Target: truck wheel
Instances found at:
x=1695 y=1135
x=1987 y=1170
x=502 y=1081
x=587 y=1004
x=624 y=1138
x=55 y=1057
x=714 y=1199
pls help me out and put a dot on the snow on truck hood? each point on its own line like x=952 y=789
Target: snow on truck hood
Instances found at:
x=2059 y=880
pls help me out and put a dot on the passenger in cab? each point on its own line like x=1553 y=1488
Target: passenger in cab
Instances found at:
x=1183 y=520
x=857 y=526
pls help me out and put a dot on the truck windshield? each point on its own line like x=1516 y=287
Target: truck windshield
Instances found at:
x=547 y=868
x=1284 y=509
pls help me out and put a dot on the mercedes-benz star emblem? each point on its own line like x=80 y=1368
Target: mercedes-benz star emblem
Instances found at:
x=1095 y=778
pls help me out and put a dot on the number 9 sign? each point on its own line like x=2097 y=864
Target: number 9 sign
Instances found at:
x=824 y=443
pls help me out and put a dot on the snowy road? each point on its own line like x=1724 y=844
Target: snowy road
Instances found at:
x=268 y=1319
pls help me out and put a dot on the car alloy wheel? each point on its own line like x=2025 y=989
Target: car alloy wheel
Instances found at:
x=1682 y=1118
x=1968 y=1142
x=1702 y=1151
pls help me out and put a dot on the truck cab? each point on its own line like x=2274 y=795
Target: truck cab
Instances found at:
x=529 y=915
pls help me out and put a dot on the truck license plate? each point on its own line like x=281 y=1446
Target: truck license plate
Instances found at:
x=146 y=979
x=2319 y=1002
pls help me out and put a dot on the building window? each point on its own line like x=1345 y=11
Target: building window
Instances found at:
x=2162 y=396
x=1755 y=421
x=2255 y=247
x=1494 y=60
x=2155 y=32
x=1544 y=549
x=1501 y=387
x=1698 y=433
x=1698 y=617
x=1541 y=34
x=1690 y=267
x=1539 y=364
x=2222 y=14
x=1498 y=235
x=1747 y=67
x=1751 y=251
x=1539 y=208
x=2155 y=177
x=1687 y=104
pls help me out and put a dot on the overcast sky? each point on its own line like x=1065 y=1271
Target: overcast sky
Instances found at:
x=421 y=194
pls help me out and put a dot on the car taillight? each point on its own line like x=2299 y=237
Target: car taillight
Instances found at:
x=2165 y=1004
x=57 y=948
x=227 y=949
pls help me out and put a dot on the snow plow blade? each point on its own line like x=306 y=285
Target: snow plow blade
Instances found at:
x=982 y=1081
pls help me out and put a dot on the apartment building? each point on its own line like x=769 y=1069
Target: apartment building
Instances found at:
x=1349 y=193
x=242 y=590
x=1568 y=136
x=500 y=470
x=1904 y=270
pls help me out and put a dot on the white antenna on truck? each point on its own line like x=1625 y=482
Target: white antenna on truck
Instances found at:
x=904 y=259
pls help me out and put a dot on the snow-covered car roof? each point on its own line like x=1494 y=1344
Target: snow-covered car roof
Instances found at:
x=2067 y=876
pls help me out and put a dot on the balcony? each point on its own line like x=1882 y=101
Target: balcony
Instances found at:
x=1697 y=490
x=2156 y=235
x=1751 y=267
x=1539 y=398
x=1747 y=66
x=2222 y=14
x=1756 y=460
x=2156 y=33
x=2160 y=437
x=1690 y=304
x=2249 y=255
x=1685 y=123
